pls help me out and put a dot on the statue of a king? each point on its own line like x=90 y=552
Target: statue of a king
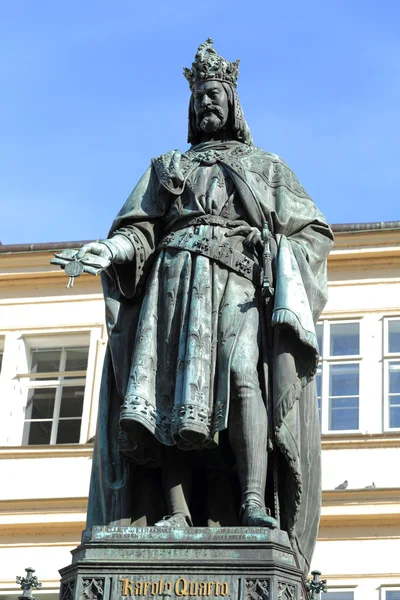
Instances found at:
x=214 y=274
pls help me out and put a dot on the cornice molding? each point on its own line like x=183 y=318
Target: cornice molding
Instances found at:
x=351 y=248
x=350 y=497
x=41 y=516
x=328 y=442
x=57 y=451
x=379 y=507
x=358 y=496
x=383 y=577
x=361 y=441
x=45 y=505
x=9 y=587
x=340 y=508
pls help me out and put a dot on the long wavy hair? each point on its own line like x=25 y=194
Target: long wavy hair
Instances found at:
x=240 y=129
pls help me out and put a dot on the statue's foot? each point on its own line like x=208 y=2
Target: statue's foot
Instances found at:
x=178 y=520
x=254 y=515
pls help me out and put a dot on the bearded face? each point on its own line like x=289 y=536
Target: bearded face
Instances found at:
x=211 y=120
x=210 y=106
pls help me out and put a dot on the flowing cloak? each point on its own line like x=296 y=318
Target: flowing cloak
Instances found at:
x=270 y=193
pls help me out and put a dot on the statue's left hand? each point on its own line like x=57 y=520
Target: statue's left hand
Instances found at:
x=253 y=236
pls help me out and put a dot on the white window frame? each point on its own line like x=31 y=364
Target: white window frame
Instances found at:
x=15 y=379
x=384 y=590
x=326 y=360
x=35 y=381
x=388 y=357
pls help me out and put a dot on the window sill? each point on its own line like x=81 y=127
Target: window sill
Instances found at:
x=338 y=441
x=56 y=451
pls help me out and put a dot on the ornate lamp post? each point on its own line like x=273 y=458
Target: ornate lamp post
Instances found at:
x=316 y=585
x=27 y=584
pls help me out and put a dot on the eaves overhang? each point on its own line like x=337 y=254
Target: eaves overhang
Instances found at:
x=338 y=229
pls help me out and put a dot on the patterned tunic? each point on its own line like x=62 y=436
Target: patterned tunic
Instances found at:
x=193 y=312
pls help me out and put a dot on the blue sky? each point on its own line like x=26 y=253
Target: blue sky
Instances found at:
x=91 y=90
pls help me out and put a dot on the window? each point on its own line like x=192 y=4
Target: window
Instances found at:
x=339 y=596
x=49 y=385
x=338 y=375
x=1 y=352
x=55 y=385
x=392 y=373
x=392 y=595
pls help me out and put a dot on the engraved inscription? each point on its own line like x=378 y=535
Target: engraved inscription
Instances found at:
x=181 y=587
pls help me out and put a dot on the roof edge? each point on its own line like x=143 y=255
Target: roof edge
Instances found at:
x=10 y=248
x=337 y=228
x=359 y=227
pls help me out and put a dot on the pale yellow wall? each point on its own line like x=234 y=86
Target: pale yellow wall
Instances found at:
x=42 y=506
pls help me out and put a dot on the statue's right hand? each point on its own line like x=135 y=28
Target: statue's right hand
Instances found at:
x=97 y=256
x=94 y=255
x=95 y=249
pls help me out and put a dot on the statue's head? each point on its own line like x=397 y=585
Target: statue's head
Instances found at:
x=214 y=104
x=210 y=105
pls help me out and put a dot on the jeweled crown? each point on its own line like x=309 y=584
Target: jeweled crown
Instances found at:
x=208 y=64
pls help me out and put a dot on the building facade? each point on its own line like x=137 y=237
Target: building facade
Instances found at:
x=52 y=344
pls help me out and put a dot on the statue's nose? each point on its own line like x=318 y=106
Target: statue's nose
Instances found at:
x=205 y=101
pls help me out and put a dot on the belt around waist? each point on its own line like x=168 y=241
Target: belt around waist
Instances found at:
x=208 y=220
x=222 y=253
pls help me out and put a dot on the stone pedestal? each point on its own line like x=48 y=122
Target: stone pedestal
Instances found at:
x=235 y=563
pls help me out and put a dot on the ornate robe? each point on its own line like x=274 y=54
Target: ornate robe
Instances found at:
x=176 y=313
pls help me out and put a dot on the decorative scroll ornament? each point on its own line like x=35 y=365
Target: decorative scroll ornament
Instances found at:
x=27 y=584
x=286 y=591
x=68 y=590
x=315 y=586
x=208 y=64
x=93 y=589
x=257 y=589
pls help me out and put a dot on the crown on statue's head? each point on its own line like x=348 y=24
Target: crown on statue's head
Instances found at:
x=208 y=64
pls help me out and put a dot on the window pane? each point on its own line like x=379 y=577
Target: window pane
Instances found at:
x=338 y=595
x=343 y=414
x=393 y=595
x=319 y=332
x=76 y=359
x=394 y=336
x=69 y=431
x=40 y=403
x=318 y=381
x=344 y=380
x=44 y=361
x=345 y=403
x=394 y=377
x=37 y=432
x=394 y=411
x=345 y=339
x=72 y=401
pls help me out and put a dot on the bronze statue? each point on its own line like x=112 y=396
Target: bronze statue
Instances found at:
x=214 y=274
